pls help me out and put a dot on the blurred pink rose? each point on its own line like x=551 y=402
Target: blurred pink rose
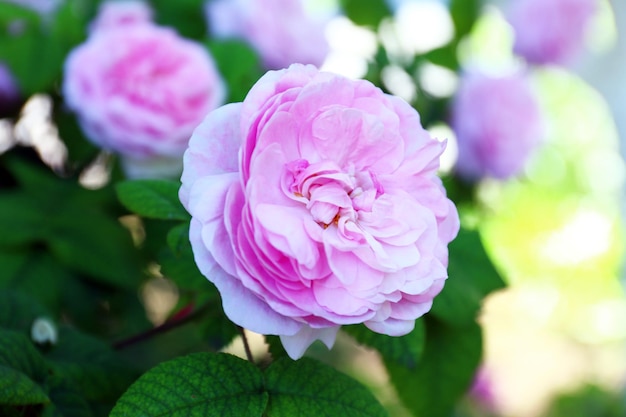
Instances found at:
x=280 y=30
x=113 y=14
x=315 y=203
x=498 y=123
x=9 y=92
x=139 y=90
x=482 y=390
x=550 y=31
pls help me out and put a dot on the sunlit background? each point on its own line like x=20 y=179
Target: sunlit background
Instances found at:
x=557 y=233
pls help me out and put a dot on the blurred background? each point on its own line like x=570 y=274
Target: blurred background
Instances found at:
x=555 y=339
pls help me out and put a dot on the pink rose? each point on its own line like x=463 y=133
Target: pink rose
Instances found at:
x=550 y=31
x=315 y=203
x=139 y=90
x=498 y=123
x=280 y=30
x=113 y=14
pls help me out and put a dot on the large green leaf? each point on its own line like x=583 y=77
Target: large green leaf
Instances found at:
x=27 y=370
x=16 y=388
x=92 y=242
x=199 y=384
x=156 y=199
x=472 y=277
x=309 y=388
x=445 y=371
x=205 y=384
x=78 y=226
x=404 y=351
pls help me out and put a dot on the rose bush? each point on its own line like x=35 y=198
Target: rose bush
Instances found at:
x=140 y=89
x=498 y=123
x=315 y=203
x=550 y=32
x=281 y=31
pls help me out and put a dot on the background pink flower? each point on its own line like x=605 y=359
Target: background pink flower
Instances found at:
x=9 y=92
x=498 y=123
x=550 y=32
x=315 y=203
x=281 y=31
x=139 y=89
x=113 y=14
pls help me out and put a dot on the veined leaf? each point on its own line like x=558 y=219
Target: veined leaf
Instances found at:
x=309 y=388
x=25 y=370
x=200 y=384
x=156 y=199
x=204 y=384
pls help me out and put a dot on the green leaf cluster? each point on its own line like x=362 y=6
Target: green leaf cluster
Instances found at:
x=72 y=374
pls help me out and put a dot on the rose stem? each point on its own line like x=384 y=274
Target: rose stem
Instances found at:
x=163 y=328
x=246 y=345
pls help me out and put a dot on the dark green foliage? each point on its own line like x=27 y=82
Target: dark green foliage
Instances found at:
x=404 y=351
x=35 y=50
x=465 y=289
x=444 y=372
x=366 y=12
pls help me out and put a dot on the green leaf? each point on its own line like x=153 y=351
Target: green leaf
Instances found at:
x=94 y=369
x=187 y=16
x=35 y=273
x=178 y=264
x=21 y=220
x=472 y=277
x=27 y=369
x=92 y=242
x=464 y=14
x=16 y=388
x=36 y=49
x=156 y=199
x=205 y=384
x=366 y=12
x=239 y=65
x=66 y=400
x=18 y=311
x=404 y=351
x=445 y=372
x=200 y=384
x=309 y=388
x=275 y=347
